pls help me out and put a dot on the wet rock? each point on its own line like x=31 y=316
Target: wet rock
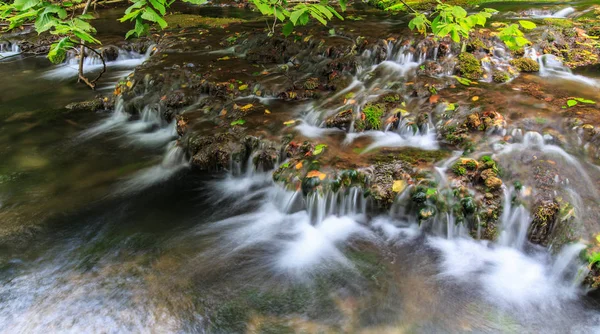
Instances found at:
x=469 y=67
x=544 y=218
x=110 y=53
x=214 y=152
x=266 y=159
x=525 y=64
x=381 y=180
x=86 y=106
x=473 y=122
x=341 y=120
x=430 y=68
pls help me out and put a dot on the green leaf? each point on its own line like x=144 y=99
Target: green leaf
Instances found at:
x=571 y=103
x=459 y=12
x=238 y=122
x=318 y=17
x=343 y=5
x=263 y=7
x=132 y=15
x=463 y=81
x=296 y=15
x=58 y=52
x=158 y=6
x=288 y=28
x=152 y=16
x=527 y=24
x=319 y=149
x=303 y=19
x=582 y=100
x=23 y=5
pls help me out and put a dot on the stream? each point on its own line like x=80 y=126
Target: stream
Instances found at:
x=106 y=227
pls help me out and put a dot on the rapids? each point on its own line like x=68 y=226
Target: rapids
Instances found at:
x=106 y=225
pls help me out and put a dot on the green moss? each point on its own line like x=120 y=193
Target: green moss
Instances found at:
x=189 y=20
x=373 y=113
x=500 y=76
x=391 y=98
x=469 y=67
x=459 y=169
x=525 y=64
x=561 y=23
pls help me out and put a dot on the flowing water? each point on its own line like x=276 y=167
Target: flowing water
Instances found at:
x=105 y=228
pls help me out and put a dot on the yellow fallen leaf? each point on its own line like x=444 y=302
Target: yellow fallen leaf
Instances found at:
x=289 y=122
x=129 y=84
x=246 y=107
x=475 y=98
x=398 y=186
x=267 y=111
x=299 y=165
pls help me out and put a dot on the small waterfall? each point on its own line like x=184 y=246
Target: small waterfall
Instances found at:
x=174 y=160
x=92 y=62
x=544 y=13
x=8 y=49
x=564 y=12
x=534 y=141
x=322 y=205
x=116 y=119
x=551 y=66
x=514 y=223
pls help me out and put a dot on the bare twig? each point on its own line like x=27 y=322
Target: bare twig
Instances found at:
x=92 y=83
x=409 y=7
x=82 y=51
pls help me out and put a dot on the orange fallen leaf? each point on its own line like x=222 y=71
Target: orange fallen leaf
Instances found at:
x=434 y=99
x=316 y=173
x=299 y=165
x=223 y=112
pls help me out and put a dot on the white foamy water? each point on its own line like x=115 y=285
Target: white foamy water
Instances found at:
x=92 y=63
x=175 y=159
x=298 y=237
x=507 y=275
x=405 y=136
x=550 y=66
x=8 y=50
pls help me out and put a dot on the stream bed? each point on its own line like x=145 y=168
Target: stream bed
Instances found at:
x=107 y=225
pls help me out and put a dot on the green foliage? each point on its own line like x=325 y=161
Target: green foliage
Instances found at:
x=513 y=37
x=594 y=258
x=146 y=12
x=61 y=18
x=319 y=149
x=238 y=122
x=52 y=17
x=450 y=21
x=576 y=100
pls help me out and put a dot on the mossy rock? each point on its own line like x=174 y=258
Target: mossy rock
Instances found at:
x=500 y=76
x=373 y=114
x=189 y=20
x=469 y=67
x=557 y=22
x=525 y=64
